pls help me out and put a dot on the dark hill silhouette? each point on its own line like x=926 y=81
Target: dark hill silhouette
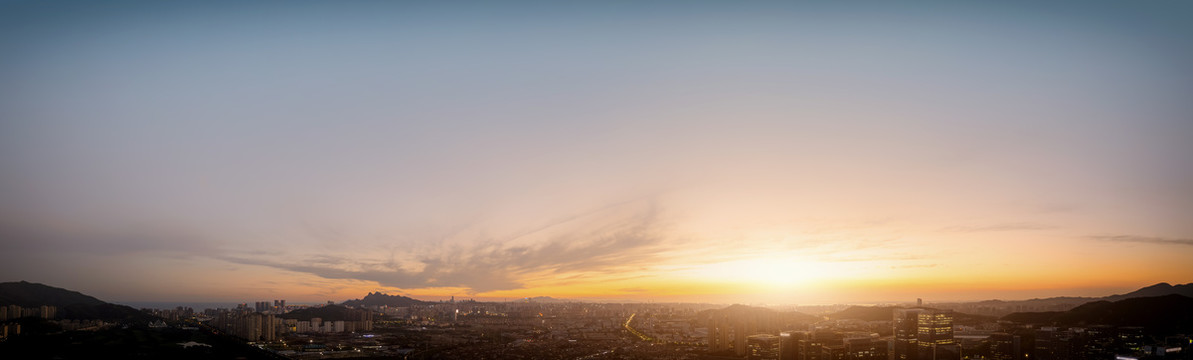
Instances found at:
x=1160 y=289
x=886 y=313
x=380 y=299
x=1061 y=303
x=865 y=313
x=27 y=294
x=1158 y=314
x=70 y=304
x=543 y=299
x=785 y=317
x=960 y=318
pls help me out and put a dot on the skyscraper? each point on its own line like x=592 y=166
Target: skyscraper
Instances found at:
x=1007 y=346
x=906 y=341
x=789 y=344
x=934 y=335
x=763 y=347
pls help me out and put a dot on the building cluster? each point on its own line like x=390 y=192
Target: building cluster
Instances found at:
x=277 y=307
x=363 y=322
x=11 y=312
x=923 y=334
x=9 y=329
x=253 y=326
x=1089 y=342
x=729 y=328
x=267 y=326
x=918 y=334
x=530 y=330
x=174 y=314
x=819 y=345
x=546 y=330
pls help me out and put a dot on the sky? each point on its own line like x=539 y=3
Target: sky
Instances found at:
x=752 y=152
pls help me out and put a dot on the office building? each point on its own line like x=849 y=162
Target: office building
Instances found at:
x=763 y=347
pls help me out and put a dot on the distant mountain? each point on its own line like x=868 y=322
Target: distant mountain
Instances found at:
x=1160 y=289
x=1061 y=303
x=27 y=294
x=70 y=304
x=1170 y=313
x=543 y=299
x=886 y=313
x=738 y=310
x=380 y=299
x=326 y=313
x=865 y=313
x=960 y=318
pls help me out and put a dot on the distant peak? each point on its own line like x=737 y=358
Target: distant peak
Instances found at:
x=379 y=298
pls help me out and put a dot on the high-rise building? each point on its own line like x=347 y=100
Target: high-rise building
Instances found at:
x=11 y=329
x=47 y=312
x=1007 y=346
x=1002 y=346
x=717 y=337
x=15 y=312
x=810 y=349
x=905 y=339
x=1131 y=337
x=269 y=328
x=934 y=335
x=789 y=344
x=923 y=334
x=728 y=328
x=866 y=348
x=763 y=347
x=741 y=327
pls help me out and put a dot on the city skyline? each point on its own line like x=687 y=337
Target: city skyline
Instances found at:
x=704 y=152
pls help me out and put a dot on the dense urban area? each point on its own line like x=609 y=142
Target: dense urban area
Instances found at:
x=1121 y=327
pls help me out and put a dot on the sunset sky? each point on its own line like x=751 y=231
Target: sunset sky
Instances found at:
x=757 y=152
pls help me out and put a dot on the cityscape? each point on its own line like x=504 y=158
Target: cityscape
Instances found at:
x=654 y=179
x=1154 y=322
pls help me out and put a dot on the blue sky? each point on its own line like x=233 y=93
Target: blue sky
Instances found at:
x=594 y=149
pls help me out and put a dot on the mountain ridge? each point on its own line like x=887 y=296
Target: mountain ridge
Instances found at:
x=1169 y=313
x=27 y=294
x=382 y=299
x=70 y=304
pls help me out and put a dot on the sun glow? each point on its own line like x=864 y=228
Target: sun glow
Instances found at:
x=772 y=272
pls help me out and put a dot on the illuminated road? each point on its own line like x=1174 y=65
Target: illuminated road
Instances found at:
x=634 y=331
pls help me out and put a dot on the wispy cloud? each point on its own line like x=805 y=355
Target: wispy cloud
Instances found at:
x=1015 y=226
x=881 y=257
x=489 y=266
x=1143 y=239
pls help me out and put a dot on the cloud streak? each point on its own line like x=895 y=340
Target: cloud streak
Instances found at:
x=1016 y=226
x=491 y=266
x=1143 y=239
